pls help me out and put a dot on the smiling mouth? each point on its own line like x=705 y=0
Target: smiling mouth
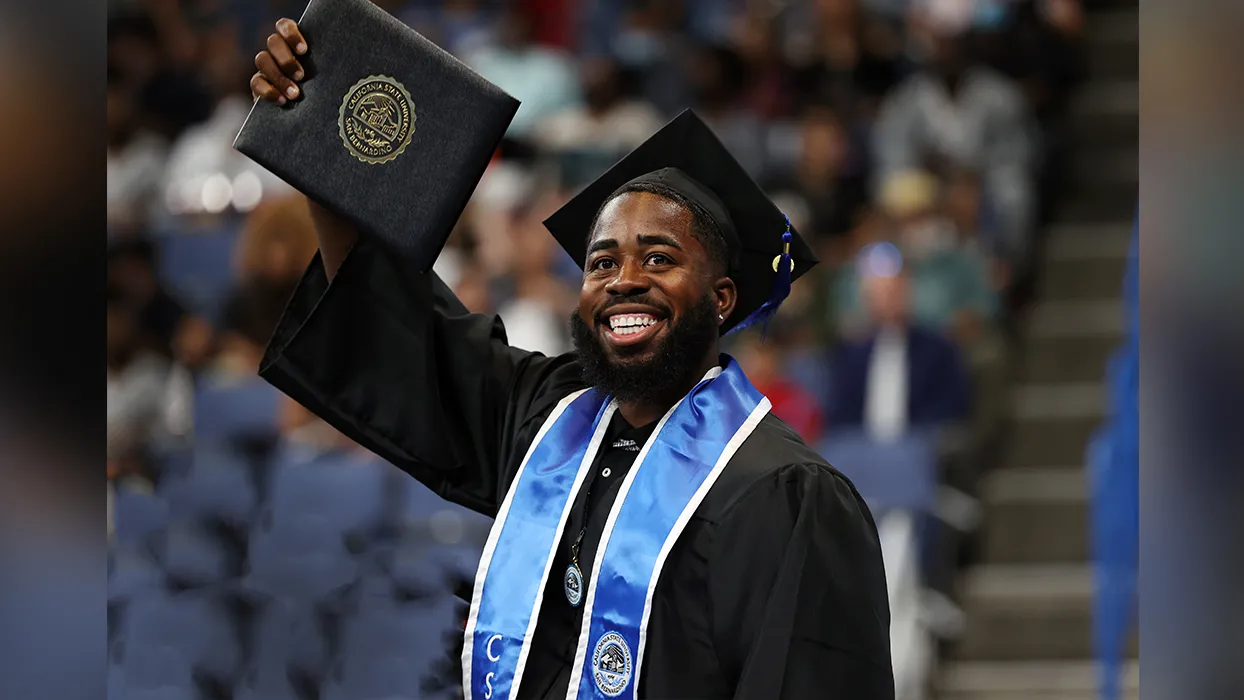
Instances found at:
x=631 y=329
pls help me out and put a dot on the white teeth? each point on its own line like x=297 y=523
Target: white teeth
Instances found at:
x=630 y=323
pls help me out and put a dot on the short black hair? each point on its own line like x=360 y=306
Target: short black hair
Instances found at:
x=704 y=227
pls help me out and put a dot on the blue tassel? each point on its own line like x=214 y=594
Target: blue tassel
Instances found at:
x=781 y=290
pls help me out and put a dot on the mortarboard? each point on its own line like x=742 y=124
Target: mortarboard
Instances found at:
x=687 y=156
x=391 y=131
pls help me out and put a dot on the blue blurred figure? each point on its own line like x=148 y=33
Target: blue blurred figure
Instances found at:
x=1114 y=469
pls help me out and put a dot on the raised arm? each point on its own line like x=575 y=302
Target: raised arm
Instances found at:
x=277 y=81
x=390 y=357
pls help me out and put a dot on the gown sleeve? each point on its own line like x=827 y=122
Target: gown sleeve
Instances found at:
x=391 y=358
x=807 y=615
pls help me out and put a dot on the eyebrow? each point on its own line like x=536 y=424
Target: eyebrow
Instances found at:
x=646 y=239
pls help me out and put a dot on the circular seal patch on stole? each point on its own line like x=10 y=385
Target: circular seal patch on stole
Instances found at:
x=377 y=119
x=611 y=664
x=573 y=581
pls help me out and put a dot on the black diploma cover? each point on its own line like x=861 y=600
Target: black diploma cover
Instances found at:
x=391 y=131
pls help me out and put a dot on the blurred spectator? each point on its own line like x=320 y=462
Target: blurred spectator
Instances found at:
x=148 y=59
x=827 y=176
x=951 y=289
x=717 y=76
x=845 y=57
x=644 y=36
x=132 y=271
x=457 y=255
x=276 y=244
x=1041 y=47
x=958 y=113
x=458 y=26
x=247 y=323
x=763 y=361
x=902 y=373
x=148 y=397
x=536 y=302
x=206 y=176
x=303 y=428
x=136 y=160
x=770 y=87
x=543 y=79
x=608 y=123
x=471 y=288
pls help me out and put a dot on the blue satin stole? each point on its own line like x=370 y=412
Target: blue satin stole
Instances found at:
x=672 y=473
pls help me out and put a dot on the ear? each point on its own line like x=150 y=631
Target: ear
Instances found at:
x=727 y=295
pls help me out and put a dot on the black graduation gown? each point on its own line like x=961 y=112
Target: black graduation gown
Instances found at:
x=774 y=591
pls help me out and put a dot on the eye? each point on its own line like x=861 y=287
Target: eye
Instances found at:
x=660 y=259
x=601 y=263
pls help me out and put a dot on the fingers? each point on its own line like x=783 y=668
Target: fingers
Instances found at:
x=288 y=29
x=279 y=69
x=284 y=57
x=264 y=90
x=272 y=72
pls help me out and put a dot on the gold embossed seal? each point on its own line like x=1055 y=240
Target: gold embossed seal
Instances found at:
x=377 y=119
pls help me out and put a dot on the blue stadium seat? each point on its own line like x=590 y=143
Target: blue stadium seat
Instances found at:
x=811 y=371
x=429 y=519
x=325 y=511
x=137 y=514
x=303 y=558
x=350 y=489
x=170 y=637
x=387 y=653
x=116 y=683
x=131 y=572
x=418 y=502
x=287 y=637
x=227 y=412
x=195 y=554
x=900 y=474
x=154 y=673
x=219 y=483
x=198 y=266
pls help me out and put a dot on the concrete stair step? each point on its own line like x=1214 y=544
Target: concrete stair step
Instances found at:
x=1029 y=680
x=1061 y=401
x=1075 y=319
x=1105 y=131
x=1079 y=352
x=1093 y=7
x=1113 y=27
x=1052 y=423
x=1100 y=165
x=1076 y=243
x=1113 y=61
x=1037 y=442
x=1112 y=58
x=1107 y=202
x=1027 y=613
x=1037 y=515
x=1107 y=99
x=1082 y=280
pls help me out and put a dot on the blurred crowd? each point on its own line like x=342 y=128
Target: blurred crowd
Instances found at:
x=917 y=145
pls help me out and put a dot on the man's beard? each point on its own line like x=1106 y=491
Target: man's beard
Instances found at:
x=672 y=368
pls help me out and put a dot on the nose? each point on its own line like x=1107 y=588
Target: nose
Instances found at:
x=629 y=280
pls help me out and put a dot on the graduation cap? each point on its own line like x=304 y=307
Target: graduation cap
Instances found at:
x=766 y=253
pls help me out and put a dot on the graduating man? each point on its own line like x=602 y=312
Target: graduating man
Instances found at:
x=659 y=534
